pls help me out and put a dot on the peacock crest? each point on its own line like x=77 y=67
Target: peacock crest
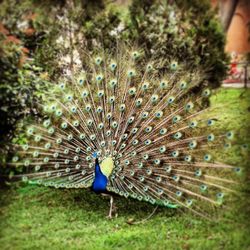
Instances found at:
x=145 y=126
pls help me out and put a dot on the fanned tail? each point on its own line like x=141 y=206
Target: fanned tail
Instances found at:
x=152 y=125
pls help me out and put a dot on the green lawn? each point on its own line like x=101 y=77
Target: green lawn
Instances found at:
x=43 y=218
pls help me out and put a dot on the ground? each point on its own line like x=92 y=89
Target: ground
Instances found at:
x=34 y=217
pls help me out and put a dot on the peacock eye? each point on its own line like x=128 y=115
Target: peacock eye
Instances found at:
x=69 y=97
x=134 y=130
x=89 y=122
x=64 y=125
x=73 y=109
x=148 y=129
x=170 y=100
x=99 y=109
x=55 y=155
x=198 y=172
x=122 y=107
x=174 y=65
x=132 y=91
x=58 y=113
x=131 y=73
x=36 y=153
x=163 y=131
x=162 y=149
x=176 y=118
x=175 y=153
x=163 y=85
x=131 y=119
x=220 y=195
x=135 y=54
x=51 y=131
x=98 y=60
x=112 y=66
x=46 y=123
x=176 y=178
x=154 y=98
x=70 y=137
x=237 y=170
x=46 y=159
x=99 y=78
x=183 y=85
x=53 y=107
x=144 y=115
x=37 y=167
x=135 y=142
x=62 y=86
x=149 y=67
x=189 y=202
x=210 y=137
x=230 y=135
x=157 y=161
x=178 y=193
x=24 y=178
x=78 y=150
x=168 y=168
x=158 y=179
x=177 y=135
x=59 y=141
x=148 y=142
x=113 y=83
x=207 y=157
x=159 y=114
x=47 y=145
x=124 y=136
x=114 y=124
x=210 y=122
x=111 y=99
x=206 y=92
x=193 y=124
x=189 y=106
x=138 y=102
x=145 y=86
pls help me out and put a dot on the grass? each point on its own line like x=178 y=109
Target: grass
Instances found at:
x=43 y=218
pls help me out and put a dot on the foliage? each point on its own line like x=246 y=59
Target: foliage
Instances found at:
x=17 y=88
x=55 y=33
x=185 y=29
x=31 y=37
x=20 y=89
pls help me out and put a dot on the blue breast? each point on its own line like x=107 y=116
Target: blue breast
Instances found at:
x=100 y=182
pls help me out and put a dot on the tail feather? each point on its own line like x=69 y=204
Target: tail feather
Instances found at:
x=150 y=123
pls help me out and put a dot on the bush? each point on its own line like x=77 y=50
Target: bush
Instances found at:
x=53 y=35
x=185 y=29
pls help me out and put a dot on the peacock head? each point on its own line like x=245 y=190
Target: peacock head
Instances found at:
x=106 y=164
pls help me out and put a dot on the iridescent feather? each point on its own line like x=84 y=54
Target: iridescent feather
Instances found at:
x=146 y=128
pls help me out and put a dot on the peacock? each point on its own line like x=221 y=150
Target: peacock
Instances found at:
x=120 y=126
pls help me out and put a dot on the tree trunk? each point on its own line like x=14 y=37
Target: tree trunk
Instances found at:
x=227 y=9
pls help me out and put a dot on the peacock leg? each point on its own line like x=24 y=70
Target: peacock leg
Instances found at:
x=111 y=207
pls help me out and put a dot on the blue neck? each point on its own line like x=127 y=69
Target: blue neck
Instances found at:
x=100 y=180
